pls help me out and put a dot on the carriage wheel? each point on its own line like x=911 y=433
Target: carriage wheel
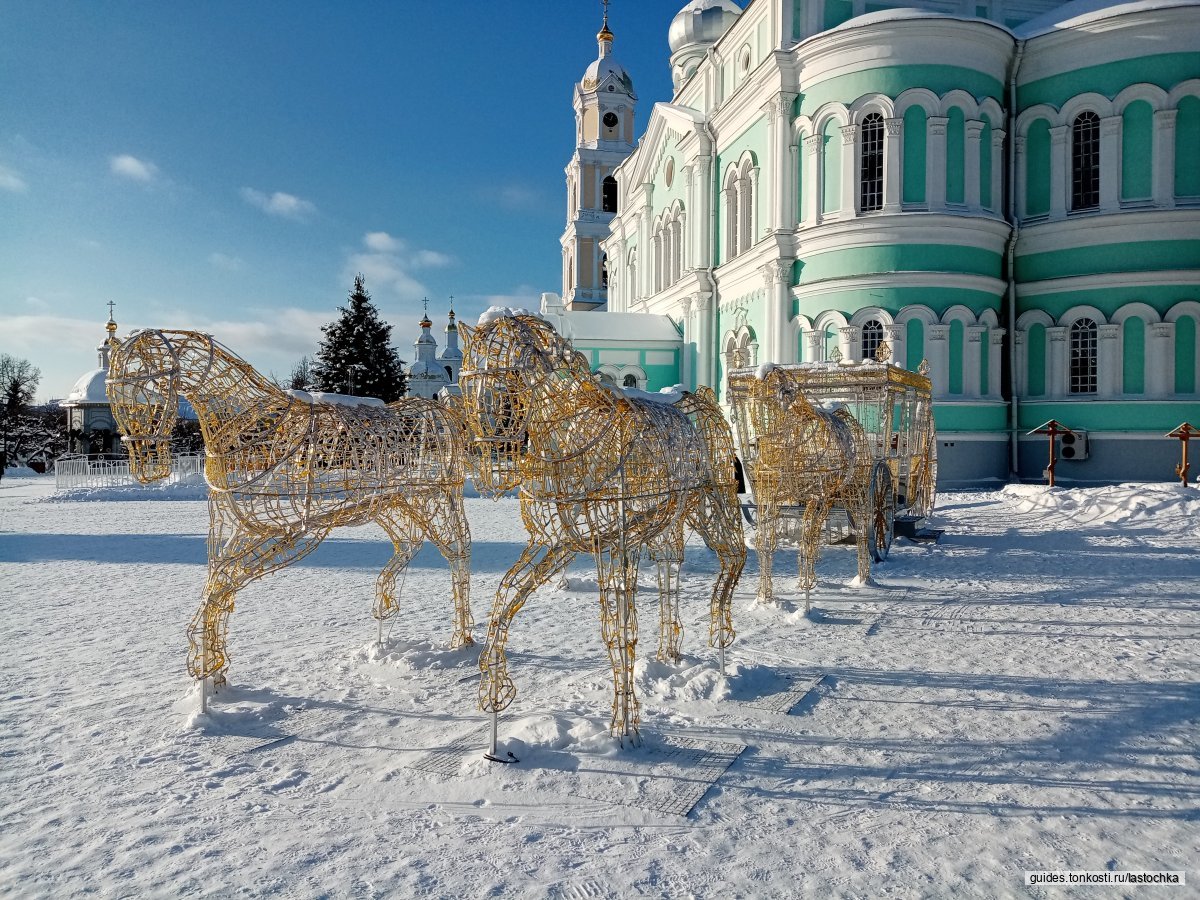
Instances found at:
x=881 y=511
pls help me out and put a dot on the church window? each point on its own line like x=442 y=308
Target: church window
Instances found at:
x=629 y=381
x=745 y=209
x=1083 y=357
x=1085 y=161
x=871 y=175
x=450 y=373
x=608 y=195
x=604 y=270
x=731 y=215
x=872 y=337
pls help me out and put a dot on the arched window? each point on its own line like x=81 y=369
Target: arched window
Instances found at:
x=870 y=181
x=629 y=381
x=1085 y=161
x=603 y=270
x=608 y=195
x=745 y=210
x=1083 y=357
x=872 y=337
x=731 y=215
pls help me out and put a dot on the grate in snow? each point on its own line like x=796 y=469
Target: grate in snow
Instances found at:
x=672 y=777
x=801 y=685
x=447 y=761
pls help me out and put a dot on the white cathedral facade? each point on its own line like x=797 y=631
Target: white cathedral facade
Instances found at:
x=1006 y=189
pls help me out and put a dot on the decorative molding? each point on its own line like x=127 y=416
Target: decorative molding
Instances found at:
x=1172 y=278
x=849 y=133
x=895 y=127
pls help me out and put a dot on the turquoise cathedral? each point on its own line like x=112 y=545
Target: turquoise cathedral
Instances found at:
x=1008 y=190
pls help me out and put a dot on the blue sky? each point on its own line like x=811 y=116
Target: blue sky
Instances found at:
x=230 y=165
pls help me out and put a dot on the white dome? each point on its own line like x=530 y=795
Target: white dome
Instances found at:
x=601 y=69
x=89 y=389
x=702 y=22
x=423 y=369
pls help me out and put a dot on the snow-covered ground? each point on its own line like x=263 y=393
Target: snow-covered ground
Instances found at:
x=1022 y=696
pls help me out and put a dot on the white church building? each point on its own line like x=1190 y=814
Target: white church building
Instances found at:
x=1006 y=189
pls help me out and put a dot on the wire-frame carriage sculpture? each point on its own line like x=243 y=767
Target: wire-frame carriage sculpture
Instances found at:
x=599 y=471
x=284 y=469
x=833 y=448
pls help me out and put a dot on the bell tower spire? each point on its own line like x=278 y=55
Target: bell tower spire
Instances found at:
x=605 y=104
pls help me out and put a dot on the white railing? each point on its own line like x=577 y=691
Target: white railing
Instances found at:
x=113 y=471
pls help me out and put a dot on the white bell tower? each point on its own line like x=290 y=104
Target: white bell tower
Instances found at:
x=604 y=107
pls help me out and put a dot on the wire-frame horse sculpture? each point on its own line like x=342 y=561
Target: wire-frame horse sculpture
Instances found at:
x=283 y=471
x=799 y=456
x=599 y=472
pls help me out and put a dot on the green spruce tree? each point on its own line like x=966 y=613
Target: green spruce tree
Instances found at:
x=356 y=355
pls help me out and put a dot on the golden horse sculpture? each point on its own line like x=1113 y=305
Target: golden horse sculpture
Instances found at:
x=599 y=472
x=799 y=456
x=284 y=470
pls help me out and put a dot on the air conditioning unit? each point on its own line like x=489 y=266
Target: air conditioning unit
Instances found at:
x=1073 y=446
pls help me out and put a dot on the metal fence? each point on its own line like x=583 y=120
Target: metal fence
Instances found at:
x=113 y=471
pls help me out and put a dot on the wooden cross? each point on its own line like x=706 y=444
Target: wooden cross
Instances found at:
x=1053 y=428
x=1184 y=432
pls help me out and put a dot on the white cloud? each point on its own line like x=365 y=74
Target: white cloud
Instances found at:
x=133 y=168
x=520 y=197
x=286 y=206
x=389 y=265
x=227 y=263
x=11 y=181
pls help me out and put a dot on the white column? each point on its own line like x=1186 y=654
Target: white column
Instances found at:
x=756 y=204
x=998 y=170
x=1164 y=157
x=892 y=176
x=1056 y=362
x=1021 y=362
x=937 y=351
x=974 y=131
x=790 y=211
x=776 y=280
x=1108 y=361
x=849 y=343
x=687 y=368
x=779 y=131
x=812 y=180
x=689 y=229
x=645 y=247
x=995 y=363
x=972 y=360
x=850 y=172
x=935 y=163
x=705 y=349
x=705 y=221
x=1060 y=167
x=895 y=335
x=816 y=346
x=1110 y=163
x=1160 y=360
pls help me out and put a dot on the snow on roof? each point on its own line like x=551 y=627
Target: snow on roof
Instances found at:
x=617 y=327
x=668 y=395
x=88 y=389
x=503 y=312
x=1082 y=12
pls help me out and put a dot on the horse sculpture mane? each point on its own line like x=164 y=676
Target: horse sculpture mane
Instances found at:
x=283 y=471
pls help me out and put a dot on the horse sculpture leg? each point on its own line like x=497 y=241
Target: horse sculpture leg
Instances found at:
x=241 y=559
x=716 y=521
x=537 y=565
x=809 y=551
x=451 y=534
x=617 y=572
x=667 y=551
x=405 y=534
x=766 y=538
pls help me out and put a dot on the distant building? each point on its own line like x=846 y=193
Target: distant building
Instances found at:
x=430 y=372
x=91 y=428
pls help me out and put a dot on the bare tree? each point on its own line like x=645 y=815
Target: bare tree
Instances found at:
x=18 y=385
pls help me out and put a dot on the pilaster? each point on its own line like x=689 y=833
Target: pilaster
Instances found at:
x=972 y=360
x=995 y=363
x=937 y=352
x=1110 y=163
x=935 y=163
x=1164 y=157
x=1160 y=360
x=974 y=132
x=998 y=170
x=892 y=176
x=1056 y=362
x=1059 y=168
x=849 y=193
x=812 y=179
x=1108 y=360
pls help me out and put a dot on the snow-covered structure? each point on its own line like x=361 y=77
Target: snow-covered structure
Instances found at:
x=90 y=423
x=1006 y=188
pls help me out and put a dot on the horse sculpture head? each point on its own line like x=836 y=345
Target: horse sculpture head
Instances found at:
x=503 y=357
x=143 y=390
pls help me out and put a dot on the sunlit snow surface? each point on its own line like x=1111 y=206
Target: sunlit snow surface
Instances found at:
x=1022 y=696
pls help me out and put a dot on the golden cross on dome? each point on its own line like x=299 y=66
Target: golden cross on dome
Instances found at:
x=110 y=308
x=425 y=304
